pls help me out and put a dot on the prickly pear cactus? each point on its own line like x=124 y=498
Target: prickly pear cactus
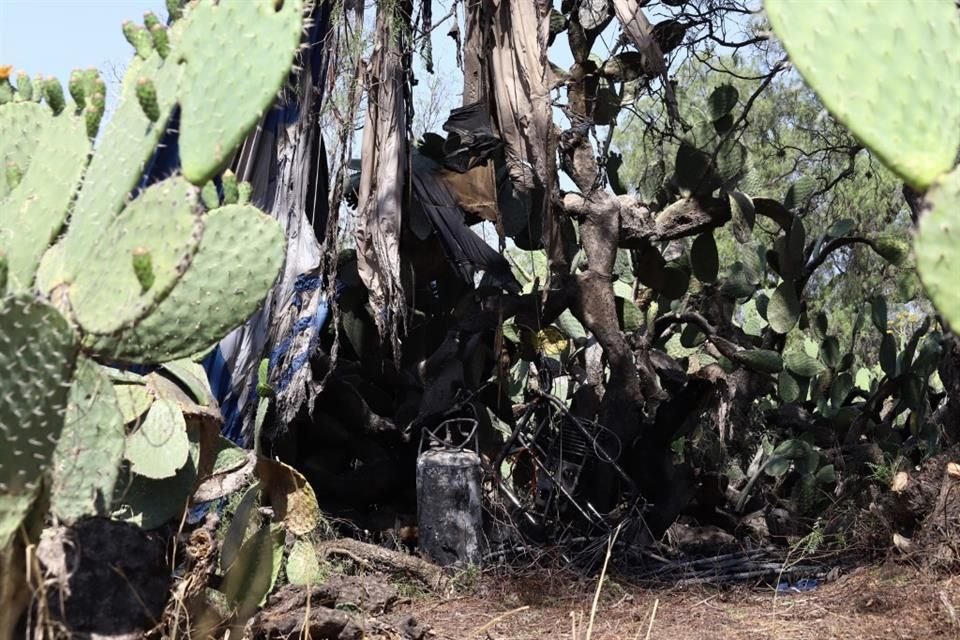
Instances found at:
x=88 y=455
x=938 y=246
x=890 y=71
x=163 y=428
x=887 y=70
x=164 y=223
x=240 y=253
x=127 y=143
x=223 y=79
x=46 y=173
x=139 y=281
x=212 y=125
x=303 y=566
x=38 y=352
x=140 y=275
x=20 y=126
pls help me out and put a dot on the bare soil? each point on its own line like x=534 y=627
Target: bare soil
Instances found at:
x=889 y=602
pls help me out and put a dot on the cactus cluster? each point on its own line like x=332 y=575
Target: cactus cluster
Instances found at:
x=808 y=363
x=889 y=72
x=91 y=274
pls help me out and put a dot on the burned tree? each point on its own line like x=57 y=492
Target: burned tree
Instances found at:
x=604 y=332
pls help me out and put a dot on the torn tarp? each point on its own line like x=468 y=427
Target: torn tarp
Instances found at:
x=464 y=249
x=468 y=165
x=520 y=81
x=383 y=175
x=471 y=140
x=640 y=32
x=276 y=163
x=522 y=91
x=282 y=159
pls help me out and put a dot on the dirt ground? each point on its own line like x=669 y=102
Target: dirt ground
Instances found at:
x=888 y=602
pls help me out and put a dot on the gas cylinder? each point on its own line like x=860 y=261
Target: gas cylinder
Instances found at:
x=449 y=509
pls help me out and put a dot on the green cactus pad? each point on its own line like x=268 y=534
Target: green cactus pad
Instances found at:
x=159 y=447
x=264 y=390
x=244 y=192
x=239 y=258
x=830 y=351
x=147 y=97
x=704 y=259
x=134 y=400
x=783 y=310
x=231 y=193
x=139 y=38
x=88 y=455
x=37 y=84
x=886 y=70
x=53 y=93
x=6 y=89
x=50 y=269
x=20 y=126
x=150 y=503
x=131 y=139
x=161 y=40
x=175 y=9
x=96 y=91
x=33 y=213
x=150 y=20
x=24 y=87
x=802 y=364
x=209 y=195
x=938 y=247
x=722 y=100
x=249 y=579
x=799 y=192
x=788 y=387
x=77 y=87
x=192 y=376
x=762 y=360
x=245 y=515
x=107 y=294
x=37 y=355
x=251 y=58
x=303 y=567
x=878 y=313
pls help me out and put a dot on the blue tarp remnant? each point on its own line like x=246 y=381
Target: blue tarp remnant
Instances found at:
x=282 y=159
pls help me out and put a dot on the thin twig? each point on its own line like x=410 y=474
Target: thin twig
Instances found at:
x=653 y=616
x=500 y=617
x=603 y=573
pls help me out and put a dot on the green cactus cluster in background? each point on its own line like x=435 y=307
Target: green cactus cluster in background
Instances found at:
x=90 y=275
x=890 y=72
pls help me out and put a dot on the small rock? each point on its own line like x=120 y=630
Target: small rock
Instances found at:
x=900 y=481
x=901 y=542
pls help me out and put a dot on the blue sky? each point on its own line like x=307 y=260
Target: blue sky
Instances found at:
x=52 y=37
